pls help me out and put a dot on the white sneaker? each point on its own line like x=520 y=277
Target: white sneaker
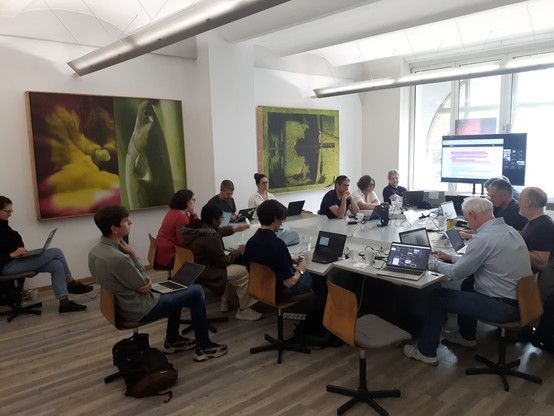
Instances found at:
x=248 y=314
x=456 y=338
x=411 y=351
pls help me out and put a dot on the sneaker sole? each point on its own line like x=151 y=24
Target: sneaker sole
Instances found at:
x=206 y=357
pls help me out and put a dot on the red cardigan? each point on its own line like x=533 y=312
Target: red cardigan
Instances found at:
x=170 y=236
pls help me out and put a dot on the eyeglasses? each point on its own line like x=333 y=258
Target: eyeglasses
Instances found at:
x=7 y=211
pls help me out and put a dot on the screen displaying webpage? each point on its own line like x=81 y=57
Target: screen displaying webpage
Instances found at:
x=477 y=159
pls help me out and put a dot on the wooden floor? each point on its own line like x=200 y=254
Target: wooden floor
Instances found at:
x=54 y=364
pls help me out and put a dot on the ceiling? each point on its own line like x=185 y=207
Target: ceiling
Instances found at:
x=343 y=32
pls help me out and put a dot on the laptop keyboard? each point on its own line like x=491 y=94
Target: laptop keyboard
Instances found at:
x=404 y=271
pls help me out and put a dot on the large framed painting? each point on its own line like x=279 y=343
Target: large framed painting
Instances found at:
x=298 y=149
x=91 y=151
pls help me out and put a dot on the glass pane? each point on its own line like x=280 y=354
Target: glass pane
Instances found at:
x=480 y=98
x=432 y=121
x=532 y=113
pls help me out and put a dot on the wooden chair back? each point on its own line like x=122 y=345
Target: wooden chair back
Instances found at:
x=529 y=300
x=341 y=313
x=107 y=306
x=151 y=250
x=262 y=283
x=182 y=255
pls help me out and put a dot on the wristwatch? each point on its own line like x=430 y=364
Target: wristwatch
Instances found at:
x=301 y=273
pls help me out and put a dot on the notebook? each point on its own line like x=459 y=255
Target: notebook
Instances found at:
x=448 y=210
x=458 y=243
x=295 y=208
x=186 y=276
x=38 y=251
x=406 y=261
x=418 y=237
x=329 y=247
x=412 y=199
x=245 y=213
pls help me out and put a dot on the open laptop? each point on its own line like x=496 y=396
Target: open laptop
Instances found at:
x=329 y=247
x=433 y=199
x=418 y=237
x=412 y=199
x=295 y=208
x=38 y=251
x=406 y=261
x=186 y=276
x=448 y=210
x=381 y=212
x=226 y=219
x=246 y=213
x=458 y=243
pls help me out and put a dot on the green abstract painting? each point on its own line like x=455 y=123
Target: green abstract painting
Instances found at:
x=298 y=149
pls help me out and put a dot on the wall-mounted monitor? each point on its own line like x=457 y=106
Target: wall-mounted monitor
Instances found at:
x=476 y=158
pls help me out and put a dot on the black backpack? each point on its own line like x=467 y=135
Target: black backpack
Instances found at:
x=145 y=370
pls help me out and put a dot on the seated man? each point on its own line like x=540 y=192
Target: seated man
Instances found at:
x=118 y=269
x=393 y=192
x=497 y=257
x=52 y=261
x=224 y=199
x=204 y=239
x=538 y=234
x=265 y=248
x=337 y=201
x=505 y=206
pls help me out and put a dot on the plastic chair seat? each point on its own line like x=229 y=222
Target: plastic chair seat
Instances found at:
x=374 y=332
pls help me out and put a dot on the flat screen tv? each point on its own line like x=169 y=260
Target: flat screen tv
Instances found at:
x=478 y=157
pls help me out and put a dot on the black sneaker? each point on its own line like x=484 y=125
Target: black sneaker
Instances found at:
x=78 y=288
x=182 y=344
x=212 y=351
x=70 y=306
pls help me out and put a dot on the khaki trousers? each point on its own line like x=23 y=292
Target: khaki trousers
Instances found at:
x=237 y=276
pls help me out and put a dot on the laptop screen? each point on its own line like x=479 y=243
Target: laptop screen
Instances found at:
x=409 y=256
x=188 y=273
x=226 y=219
x=49 y=239
x=295 y=207
x=455 y=239
x=418 y=237
x=448 y=210
x=330 y=244
x=412 y=198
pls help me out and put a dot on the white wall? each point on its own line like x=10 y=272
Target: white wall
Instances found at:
x=29 y=65
x=290 y=89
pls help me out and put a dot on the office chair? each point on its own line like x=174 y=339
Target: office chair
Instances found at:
x=530 y=310
x=262 y=287
x=13 y=284
x=368 y=331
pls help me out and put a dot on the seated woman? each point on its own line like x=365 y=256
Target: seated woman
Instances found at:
x=182 y=211
x=365 y=196
x=50 y=261
x=222 y=269
x=262 y=194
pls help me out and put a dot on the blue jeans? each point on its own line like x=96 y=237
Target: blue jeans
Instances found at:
x=470 y=306
x=170 y=305
x=51 y=261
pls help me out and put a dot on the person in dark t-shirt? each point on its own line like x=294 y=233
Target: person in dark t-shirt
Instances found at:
x=337 y=202
x=500 y=194
x=224 y=199
x=393 y=191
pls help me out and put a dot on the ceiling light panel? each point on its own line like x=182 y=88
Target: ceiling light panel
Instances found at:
x=494 y=24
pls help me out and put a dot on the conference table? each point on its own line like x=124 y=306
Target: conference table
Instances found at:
x=360 y=237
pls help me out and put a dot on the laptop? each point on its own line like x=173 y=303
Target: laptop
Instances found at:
x=329 y=247
x=295 y=208
x=226 y=219
x=38 y=251
x=457 y=200
x=412 y=199
x=186 y=276
x=448 y=210
x=406 y=261
x=433 y=199
x=458 y=243
x=418 y=237
x=244 y=214
x=380 y=212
